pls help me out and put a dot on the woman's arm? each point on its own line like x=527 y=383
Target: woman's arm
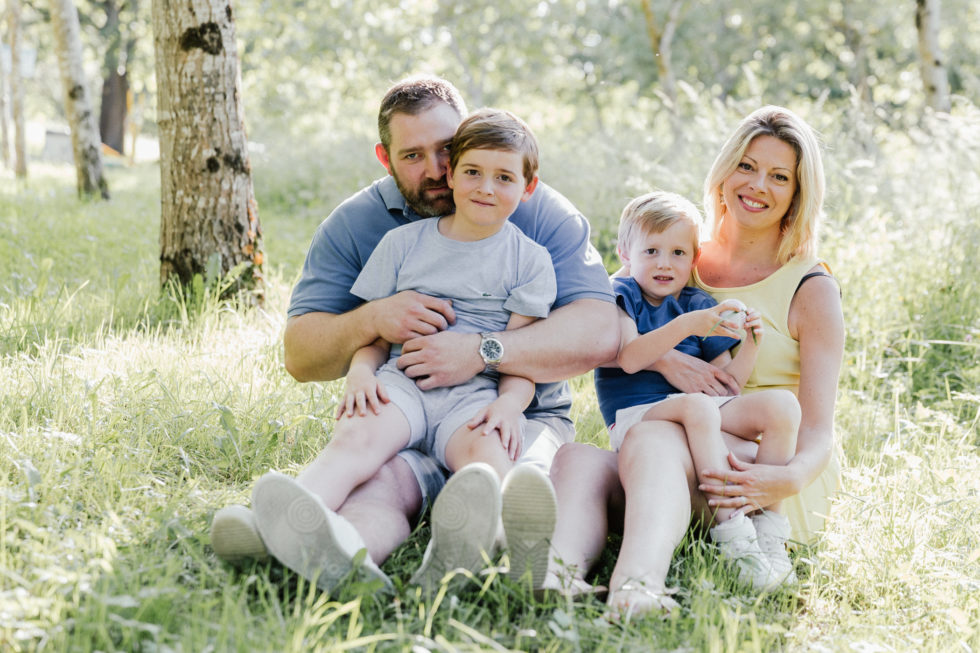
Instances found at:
x=817 y=321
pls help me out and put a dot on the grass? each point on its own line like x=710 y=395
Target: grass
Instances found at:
x=127 y=417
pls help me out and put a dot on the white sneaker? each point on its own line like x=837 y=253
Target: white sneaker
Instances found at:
x=235 y=536
x=316 y=543
x=773 y=531
x=464 y=523
x=529 y=514
x=737 y=541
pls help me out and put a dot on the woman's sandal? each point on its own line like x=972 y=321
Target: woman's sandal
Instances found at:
x=644 y=601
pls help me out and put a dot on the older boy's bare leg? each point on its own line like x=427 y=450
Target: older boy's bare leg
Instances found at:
x=658 y=477
x=467 y=446
x=358 y=448
x=589 y=493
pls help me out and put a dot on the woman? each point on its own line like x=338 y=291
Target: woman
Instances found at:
x=763 y=198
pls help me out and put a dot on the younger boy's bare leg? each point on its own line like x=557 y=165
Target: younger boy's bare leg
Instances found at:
x=773 y=416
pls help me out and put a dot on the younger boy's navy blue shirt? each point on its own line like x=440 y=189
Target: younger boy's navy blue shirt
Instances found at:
x=615 y=388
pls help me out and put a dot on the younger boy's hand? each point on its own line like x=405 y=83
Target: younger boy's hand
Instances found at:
x=714 y=321
x=503 y=415
x=362 y=391
x=753 y=326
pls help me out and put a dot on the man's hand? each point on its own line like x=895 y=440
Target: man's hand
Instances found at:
x=689 y=374
x=410 y=314
x=440 y=360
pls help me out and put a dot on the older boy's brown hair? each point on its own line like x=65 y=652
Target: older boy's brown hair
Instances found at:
x=496 y=129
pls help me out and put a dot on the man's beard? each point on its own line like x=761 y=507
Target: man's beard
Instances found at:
x=424 y=206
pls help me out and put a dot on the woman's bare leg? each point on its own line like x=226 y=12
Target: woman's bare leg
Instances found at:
x=658 y=477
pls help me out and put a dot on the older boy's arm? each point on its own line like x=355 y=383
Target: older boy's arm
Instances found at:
x=319 y=346
x=572 y=340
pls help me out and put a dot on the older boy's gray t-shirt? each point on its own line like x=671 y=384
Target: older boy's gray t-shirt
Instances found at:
x=344 y=241
x=486 y=280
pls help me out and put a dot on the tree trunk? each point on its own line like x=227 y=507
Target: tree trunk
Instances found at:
x=17 y=90
x=208 y=210
x=4 y=124
x=85 y=141
x=661 y=41
x=934 y=78
x=115 y=78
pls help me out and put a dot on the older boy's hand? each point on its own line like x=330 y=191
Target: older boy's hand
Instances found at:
x=443 y=359
x=410 y=314
x=503 y=417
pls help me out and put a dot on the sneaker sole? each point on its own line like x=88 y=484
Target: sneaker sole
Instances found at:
x=464 y=524
x=529 y=514
x=306 y=537
x=235 y=536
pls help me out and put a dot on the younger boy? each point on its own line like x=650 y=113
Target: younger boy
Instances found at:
x=497 y=278
x=658 y=246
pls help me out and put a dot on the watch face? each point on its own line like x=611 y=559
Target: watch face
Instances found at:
x=491 y=350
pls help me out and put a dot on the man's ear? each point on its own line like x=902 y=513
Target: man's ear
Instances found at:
x=530 y=189
x=381 y=152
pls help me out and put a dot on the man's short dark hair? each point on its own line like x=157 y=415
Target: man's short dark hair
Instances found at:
x=413 y=96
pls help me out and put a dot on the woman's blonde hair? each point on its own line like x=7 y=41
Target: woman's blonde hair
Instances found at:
x=798 y=229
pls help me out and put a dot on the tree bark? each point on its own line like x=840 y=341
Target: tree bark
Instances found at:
x=85 y=141
x=661 y=41
x=934 y=79
x=4 y=123
x=17 y=90
x=208 y=205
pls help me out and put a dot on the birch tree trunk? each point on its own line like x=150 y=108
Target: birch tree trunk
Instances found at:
x=85 y=141
x=4 y=123
x=661 y=41
x=934 y=78
x=208 y=211
x=17 y=90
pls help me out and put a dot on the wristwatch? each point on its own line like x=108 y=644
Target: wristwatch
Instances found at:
x=491 y=351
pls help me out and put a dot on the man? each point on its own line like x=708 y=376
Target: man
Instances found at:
x=327 y=324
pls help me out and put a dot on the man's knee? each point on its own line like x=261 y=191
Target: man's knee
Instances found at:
x=393 y=485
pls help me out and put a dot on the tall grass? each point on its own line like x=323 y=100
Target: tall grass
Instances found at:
x=128 y=416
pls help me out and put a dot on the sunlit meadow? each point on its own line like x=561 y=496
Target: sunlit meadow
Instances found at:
x=128 y=416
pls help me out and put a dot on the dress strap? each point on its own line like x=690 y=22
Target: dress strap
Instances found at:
x=810 y=275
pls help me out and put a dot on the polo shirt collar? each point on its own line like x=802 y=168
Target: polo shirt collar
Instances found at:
x=394 y=200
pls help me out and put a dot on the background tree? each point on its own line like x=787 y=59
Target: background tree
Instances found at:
x=85 y=140
x=4 y=123
x=209 y=222
x=17 y=89
x=934 y=78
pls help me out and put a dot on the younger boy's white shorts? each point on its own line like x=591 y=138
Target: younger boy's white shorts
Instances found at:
x=627 y=418
x=434 y=415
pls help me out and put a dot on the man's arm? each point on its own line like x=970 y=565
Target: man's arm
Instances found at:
x=572 y=340
x=319 y=346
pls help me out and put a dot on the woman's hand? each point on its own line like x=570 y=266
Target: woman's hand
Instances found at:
x=362 y=391
x=749 y=486
x=692 y=375
x=503 y=415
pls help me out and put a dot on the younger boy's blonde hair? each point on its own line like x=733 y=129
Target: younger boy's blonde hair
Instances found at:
x=655 y=212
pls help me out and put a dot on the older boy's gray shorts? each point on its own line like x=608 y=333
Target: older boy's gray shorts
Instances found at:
x=434 y=415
